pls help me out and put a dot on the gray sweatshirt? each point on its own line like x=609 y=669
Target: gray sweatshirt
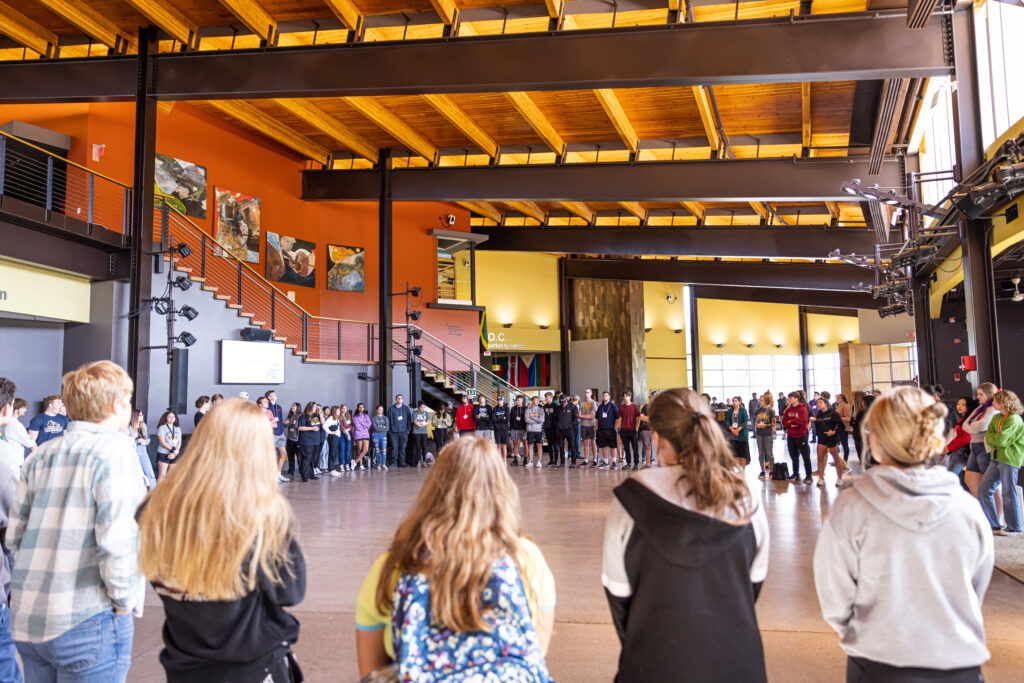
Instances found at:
x=901 y=568
x=535 y=419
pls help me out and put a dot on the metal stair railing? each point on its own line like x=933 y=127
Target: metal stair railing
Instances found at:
x=237 y=284
x=450 y=367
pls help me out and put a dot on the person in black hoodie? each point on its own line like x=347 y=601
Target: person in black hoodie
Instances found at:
x=550 y=431
x=685 y=554
x=226 y=570
x=517 y=430
x=483 y=418
x=500 y=417
x=565 y=417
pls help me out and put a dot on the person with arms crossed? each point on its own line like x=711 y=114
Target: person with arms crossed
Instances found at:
x=517 y=430
x=15 y=434
x=48 y=424
x=464 y=418
x=500 y=418
x=400 y=422
x=534 y=432
x=482 y=422
x=629 y=418
x=565 y=418
x=588 y=428
x=381 y=428
x=420 y=425
x=607 y=440
x=550 y=431
x=76 y=582
x=168 y=437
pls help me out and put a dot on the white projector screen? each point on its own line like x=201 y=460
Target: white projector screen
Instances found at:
x=244 y=362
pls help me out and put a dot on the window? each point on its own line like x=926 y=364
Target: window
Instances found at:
x=728 y=375
x=998 y=30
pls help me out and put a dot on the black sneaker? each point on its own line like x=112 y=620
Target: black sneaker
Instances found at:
x=795 y=477
x=808 y=479
x=635 y=468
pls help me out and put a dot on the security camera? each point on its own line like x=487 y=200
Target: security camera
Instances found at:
x=669 y=298
x=451 y=219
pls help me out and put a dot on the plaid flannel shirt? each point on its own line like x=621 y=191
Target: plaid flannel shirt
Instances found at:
x=73 y=533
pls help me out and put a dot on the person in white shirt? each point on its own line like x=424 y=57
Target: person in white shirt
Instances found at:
x=15 y=433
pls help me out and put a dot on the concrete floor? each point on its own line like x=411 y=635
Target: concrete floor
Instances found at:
x=346 y=522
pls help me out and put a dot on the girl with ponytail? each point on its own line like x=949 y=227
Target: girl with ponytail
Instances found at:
x=685 y=553
x=903 y=561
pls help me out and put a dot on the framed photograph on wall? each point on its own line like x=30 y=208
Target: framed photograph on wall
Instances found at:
x=183 y=183
x=291 y=260
x=238 y=224
x=345 y=272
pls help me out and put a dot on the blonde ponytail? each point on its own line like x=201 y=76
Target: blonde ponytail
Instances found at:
x=909 y=425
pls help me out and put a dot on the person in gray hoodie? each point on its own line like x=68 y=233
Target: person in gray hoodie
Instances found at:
x=903 y=562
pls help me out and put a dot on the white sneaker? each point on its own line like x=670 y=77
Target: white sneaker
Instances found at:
x=281 y=478
x=384 y=467
x=334 y=473
x=821 y=481
x=361 y=468
x=348 y=468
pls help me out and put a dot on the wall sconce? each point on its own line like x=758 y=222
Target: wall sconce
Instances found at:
x=507 y=325
x=648 y=329
x=820 y=345
x=679 y=331
x=750 y=346
x=779 y=346
x=849 y=341
x=545 y=327
x=721 y=346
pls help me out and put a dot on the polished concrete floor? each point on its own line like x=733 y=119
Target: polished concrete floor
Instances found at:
x=347 y=522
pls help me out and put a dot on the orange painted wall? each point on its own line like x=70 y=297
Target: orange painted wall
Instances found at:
x=243 y=161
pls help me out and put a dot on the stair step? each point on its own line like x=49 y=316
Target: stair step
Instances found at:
x=291 y=347
x=280 y=339
x=236 y=307
x=246 y=314
x=209 y=288
x=300 y=353
x=257 y=323
x=196 y=278
x=222 y=297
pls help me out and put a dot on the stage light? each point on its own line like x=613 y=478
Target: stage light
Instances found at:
x=413 y=315
x=891 y=310
x=162 y=306
x=183 y=250
x=188 y=313
x=893 y=287
x=415 y=291
x=182 y=283
x=416 y=350
x=914 y=256
x=416 y=333
x=186 y=339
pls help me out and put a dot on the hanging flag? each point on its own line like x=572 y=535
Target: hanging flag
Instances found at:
x=483 y=332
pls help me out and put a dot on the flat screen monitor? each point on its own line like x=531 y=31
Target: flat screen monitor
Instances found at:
x=247 y=362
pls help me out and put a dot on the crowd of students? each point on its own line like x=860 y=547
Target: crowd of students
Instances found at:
x=461 y=593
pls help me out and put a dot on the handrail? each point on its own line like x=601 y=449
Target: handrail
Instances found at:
x=64 y=159
x=251 y=270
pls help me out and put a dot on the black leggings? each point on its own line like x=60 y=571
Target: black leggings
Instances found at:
x=860 y=670
x=844 y=441
x=440 y=438
x=308 y=453
x=798 y=447
x=629 y=446
x=292 y=449
x=333 y=452
x=419 y=449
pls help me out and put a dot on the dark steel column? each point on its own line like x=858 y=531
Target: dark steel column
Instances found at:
x=564 y=321
x=924 y=332
x=140 y=227
x=805 y=351
x=384 y=271
x=975 y=236
x=694 y=342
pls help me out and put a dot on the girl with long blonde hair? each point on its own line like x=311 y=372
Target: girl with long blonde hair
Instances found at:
x=470 y=595
x=903 y=560
x=685 y=553
x=217 y=541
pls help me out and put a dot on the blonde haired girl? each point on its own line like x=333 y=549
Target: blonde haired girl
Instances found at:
x=470 y=596
x=903 y=561
x=222 y=554
x=685 y=553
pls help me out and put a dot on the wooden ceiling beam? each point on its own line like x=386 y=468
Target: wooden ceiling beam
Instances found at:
x=579 y=209
x=447 y=108
x=389 y=122
x=272 y=128
x=255 y=17
x=529 y=209
x=447 y=10
x=634 y=208
x=483 y=208
x=540 y=123
x=330 y=126
x=92 y=23
x=25 y=31
x=707 y=116
x=613 y=108
x=805 y=109
x=762 y=210
x=695 y=208
x=162 y=14
x=347 y=13
x=554 y=8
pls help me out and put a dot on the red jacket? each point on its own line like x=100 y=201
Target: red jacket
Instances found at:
x=464 y=417
x=794 y=419
x=961 y=439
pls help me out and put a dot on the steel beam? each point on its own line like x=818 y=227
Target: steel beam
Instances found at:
x=849 y=301
x=824 y=278
x=773 y=180
x=765 y=242
x=92 y=259
x=835 y=47
x=385 y=263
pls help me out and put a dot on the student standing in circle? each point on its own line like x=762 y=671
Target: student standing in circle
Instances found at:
x=361 y=425
x=517 y=430
x=280 y=438
x=291 y=424
x=845 y=412
x=442 y=422
x=500 y=419
x=607 y=415
x=904 y=558
x=534 y=432
x=226 y=570
x=168 y=436
x=977 y=426
x=828 y=424
x=647 y=458
x=345 y=444
x=588 y=428
x=381 y=428
x=140 y=436
x=764 y=433
x=50 y=423
x=203 y=406
x=959 y=447
x=736 y=420
x=15 y=434
x=483 y=424
x=629 y=418
x=309 y=441
x=795 y=421
x=332 y=427
x=1005 y=436
x=420 y=425
x=550 y=432
x=685 y=554
x=464 y=417
x=565 y=418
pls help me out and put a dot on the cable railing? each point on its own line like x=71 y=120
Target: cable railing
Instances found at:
x=36 y=176
x=238 y=285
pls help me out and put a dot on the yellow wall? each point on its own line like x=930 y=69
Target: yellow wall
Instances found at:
x=738 y=323
x=30 y=290
x=665 y=350
x=522 y=289
x=831 y=330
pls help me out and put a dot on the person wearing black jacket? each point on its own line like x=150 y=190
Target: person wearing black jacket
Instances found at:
x=500 y=418
x=400 y=424
x=565 y=417
x=517 y=429
x=827 y=426
x=861 y=404
x=550 y=432
x=483 y=418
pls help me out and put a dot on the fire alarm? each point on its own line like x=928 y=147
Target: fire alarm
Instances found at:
x=956 y=376
x=956 y=340
x=968 y=363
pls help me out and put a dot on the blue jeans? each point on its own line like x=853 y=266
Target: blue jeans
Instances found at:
x=346 y=450
x=98 y=650
x=147 y=465
x=399 y=442
x=9 y=671
x=380 y=448
x=997 y=473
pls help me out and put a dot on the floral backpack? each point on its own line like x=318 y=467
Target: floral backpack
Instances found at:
x=509 y=651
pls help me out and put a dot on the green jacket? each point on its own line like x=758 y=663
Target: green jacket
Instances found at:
x=1006 y=437
x=742 y=419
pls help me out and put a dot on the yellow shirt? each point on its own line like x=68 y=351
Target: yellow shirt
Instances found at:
x=538 y=581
